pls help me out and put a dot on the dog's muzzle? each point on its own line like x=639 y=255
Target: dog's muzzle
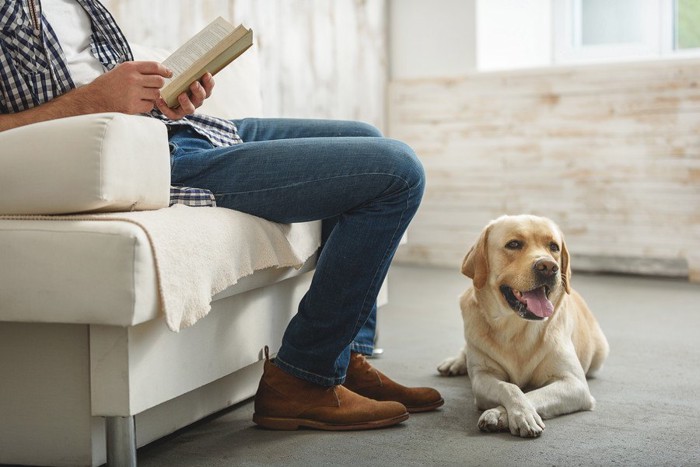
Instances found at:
x=533 y=304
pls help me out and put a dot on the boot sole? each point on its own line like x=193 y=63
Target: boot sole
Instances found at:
x=426 y=408
x=290 y=424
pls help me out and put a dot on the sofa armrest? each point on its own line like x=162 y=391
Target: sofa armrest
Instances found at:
x=98 y=162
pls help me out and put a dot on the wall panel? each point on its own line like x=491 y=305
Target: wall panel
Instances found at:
x=611 y=153
x=319 y=59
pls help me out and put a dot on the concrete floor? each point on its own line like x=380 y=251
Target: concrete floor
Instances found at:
x=648 y=403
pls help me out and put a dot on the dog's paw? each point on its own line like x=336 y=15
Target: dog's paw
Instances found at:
x=493 y=420
x=525 y=422
x=453 y=366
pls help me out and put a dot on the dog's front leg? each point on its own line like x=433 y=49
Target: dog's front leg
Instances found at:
x=513 y=411
x=456 y=365
x=561 y=396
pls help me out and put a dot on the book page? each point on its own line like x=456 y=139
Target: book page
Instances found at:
x=209 y=50
x=200 y=44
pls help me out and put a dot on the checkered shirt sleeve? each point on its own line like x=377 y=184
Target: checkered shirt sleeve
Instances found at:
x=33 y=70
x=196 y=197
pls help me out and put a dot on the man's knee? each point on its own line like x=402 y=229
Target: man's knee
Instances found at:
x=357 y=128
x=408 y=164
x=398 y=159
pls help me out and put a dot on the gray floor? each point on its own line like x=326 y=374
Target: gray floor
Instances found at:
x=648 y=410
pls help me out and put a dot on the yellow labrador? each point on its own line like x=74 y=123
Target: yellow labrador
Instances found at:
x=526 y=329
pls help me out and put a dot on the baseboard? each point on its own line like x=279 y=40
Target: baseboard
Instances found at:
x=662 y=267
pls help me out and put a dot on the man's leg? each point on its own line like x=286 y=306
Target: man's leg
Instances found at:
x=366 y=187
x=267 y=129
x=256 y=129
x=373 y=186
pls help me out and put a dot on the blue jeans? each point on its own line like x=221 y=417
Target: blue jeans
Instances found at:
x=365 y=188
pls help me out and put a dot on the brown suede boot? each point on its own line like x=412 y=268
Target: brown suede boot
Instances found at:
x=367 y=381
x=285 y=402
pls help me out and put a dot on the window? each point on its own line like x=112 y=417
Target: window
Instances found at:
x=686 y=21
x=605 y=30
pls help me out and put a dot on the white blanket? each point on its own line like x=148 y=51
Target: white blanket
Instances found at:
x=200 y=252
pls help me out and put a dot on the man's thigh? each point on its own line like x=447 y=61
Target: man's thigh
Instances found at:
x=296 y=180
x=266 y=129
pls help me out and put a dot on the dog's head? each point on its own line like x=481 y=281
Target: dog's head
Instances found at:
x=522 y=261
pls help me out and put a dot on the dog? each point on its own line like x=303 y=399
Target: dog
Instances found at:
x=531 y=340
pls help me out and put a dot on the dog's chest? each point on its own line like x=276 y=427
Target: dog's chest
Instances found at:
x=520 y=356
x=523 y=370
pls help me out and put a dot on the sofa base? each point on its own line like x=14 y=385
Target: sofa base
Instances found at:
x=58 y=382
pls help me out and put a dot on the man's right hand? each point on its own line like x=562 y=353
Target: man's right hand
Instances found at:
x=130 y=87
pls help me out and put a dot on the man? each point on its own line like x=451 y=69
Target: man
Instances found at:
x=61 y=58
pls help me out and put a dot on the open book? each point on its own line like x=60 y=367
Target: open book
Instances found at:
x=208 y=51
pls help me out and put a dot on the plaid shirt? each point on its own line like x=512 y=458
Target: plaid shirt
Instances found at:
x=33 y=70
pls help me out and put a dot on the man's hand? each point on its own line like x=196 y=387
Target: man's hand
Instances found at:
x=189 y=101
x=130 y=87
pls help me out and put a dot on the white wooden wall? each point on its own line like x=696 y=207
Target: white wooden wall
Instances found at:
x=611 y=153
x=319 y=58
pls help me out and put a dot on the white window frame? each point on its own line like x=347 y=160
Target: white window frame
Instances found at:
x=668 y=47
x=658 y=40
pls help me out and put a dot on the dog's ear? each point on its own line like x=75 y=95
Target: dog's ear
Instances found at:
x=565 y=266
x=476 y=263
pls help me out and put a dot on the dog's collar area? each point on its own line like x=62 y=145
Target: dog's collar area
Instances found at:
x=518 y=303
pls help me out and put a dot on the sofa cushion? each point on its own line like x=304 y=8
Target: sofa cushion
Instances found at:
x=127 y=268
x=76 y=272
x=98 y=162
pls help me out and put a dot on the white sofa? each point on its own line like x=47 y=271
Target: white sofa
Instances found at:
x=89 y=370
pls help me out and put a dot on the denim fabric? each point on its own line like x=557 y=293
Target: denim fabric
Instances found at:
x=366 y=337
x=364 y=187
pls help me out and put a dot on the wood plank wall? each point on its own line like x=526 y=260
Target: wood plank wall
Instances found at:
x=611 y=153
x=319 y=59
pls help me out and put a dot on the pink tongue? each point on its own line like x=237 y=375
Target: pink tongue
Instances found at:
x=538 y=303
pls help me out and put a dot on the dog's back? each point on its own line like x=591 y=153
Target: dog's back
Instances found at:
x=591 y=345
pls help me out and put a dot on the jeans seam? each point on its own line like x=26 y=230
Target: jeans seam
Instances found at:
x=314 y=376
x=313 y=181
x=358 y=325
x=361 y=348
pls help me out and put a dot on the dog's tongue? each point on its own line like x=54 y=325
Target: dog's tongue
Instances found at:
x=538 y=303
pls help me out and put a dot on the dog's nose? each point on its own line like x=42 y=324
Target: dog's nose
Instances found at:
x=546 y=267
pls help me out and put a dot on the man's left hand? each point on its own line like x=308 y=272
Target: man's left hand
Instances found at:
x=189 y=101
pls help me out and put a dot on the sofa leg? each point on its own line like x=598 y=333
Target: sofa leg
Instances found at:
x=121 y=442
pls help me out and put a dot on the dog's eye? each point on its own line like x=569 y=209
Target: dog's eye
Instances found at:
x=554 y=247
x=514 y=245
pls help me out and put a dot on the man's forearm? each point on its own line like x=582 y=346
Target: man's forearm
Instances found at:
x=131 y=88
x=75 y=102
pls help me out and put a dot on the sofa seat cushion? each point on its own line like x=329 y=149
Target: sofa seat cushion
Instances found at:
x=76 y=272
x=98 y=162
x=127 y=268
